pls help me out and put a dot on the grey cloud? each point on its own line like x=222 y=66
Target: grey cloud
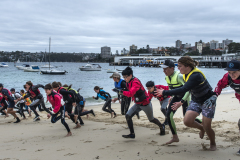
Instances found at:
x=85 y=26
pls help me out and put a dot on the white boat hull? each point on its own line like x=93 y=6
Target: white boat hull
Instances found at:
x=90 y=69
x=53 y=72
x=4 y=66
x=31 y=70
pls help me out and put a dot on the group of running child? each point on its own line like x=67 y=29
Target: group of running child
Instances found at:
x=188 y=88
x=62 y=98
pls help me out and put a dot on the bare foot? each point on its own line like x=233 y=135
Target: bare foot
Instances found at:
x=112 y=114
x=30 y=116
x=77 y=126
x=69 y=134
x=173 y=140
x=87 y=116
x=213 y=147
x=201 y=134
x=6 y=116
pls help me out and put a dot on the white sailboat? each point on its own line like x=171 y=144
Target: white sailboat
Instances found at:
x=18 y=61
x=49 y=70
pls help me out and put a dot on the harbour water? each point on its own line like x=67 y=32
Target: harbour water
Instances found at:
x=11 y=77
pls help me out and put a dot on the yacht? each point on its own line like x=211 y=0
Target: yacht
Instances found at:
x=24 y=66
x=91 y=67
x=47 y=66
x=113 y=70
x=32 y=68
x=53 y=72
x=3 y=64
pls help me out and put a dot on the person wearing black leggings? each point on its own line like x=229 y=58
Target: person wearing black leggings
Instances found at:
x=58 y=110
x=107 y=97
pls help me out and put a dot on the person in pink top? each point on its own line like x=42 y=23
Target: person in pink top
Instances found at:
x=58 y=110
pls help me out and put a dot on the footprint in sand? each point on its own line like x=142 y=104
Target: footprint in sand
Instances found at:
x=38 y=150
x=69 y=154
x=87 y=141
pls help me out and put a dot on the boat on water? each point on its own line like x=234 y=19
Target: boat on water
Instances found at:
x=18 y=61
x=24 y=66
x=53 y=72
x=3 y=64
x=47 y=66
x=32 y=68
x=113 y=70
x=91 y=67
x=49 y=70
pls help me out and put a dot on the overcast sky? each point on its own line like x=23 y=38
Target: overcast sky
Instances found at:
x=87 y=25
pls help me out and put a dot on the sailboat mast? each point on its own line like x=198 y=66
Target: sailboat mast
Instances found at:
x=49 y=52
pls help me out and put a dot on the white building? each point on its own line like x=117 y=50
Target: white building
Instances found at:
x=199 y=47
x=226 y=43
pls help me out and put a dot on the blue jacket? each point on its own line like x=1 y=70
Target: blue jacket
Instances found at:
x=103 y=95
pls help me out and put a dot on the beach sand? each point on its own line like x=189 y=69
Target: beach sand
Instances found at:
x=101 y=137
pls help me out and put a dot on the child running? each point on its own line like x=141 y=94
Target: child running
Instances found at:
x=58 y=110
x=106 y=97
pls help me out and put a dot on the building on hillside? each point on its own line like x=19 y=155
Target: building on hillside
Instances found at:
x=226 y=43
x=214 y=44
x=133 y=49
x=206 y=44
x=124 y=51
x=178 y=43
x=105 y=52
x=199 y=47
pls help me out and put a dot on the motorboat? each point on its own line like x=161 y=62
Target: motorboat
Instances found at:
x=3 y=64
x=33 y=68
x=47 y=66
x=53 y=72
x=113 y=70
x=24 y=66
x=91 y=67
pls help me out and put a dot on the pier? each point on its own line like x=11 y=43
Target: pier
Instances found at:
x=149 y=60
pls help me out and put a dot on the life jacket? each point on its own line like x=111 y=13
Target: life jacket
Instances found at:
x=118 y=85
x=201 y=90
x=101 y=96
x=173 y=82
x=34 y=93
x=161 y=98
x=77 y=95
x=140 y=94
x=51 y=98
x=28 y=101
x=10 y=94
x=233 y=85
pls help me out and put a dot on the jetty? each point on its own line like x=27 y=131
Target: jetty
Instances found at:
x=154 y=60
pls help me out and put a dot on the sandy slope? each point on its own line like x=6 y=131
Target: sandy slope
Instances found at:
x=100 y=138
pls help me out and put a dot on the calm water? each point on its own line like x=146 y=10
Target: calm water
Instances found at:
x=11 y=77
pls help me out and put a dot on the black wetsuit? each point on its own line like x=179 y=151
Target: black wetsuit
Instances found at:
x=194 y=80
x=124 y=105
x=107 y=97
x=37 y=97
x=69 y=98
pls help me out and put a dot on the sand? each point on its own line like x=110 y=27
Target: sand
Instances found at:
x=101 y=137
